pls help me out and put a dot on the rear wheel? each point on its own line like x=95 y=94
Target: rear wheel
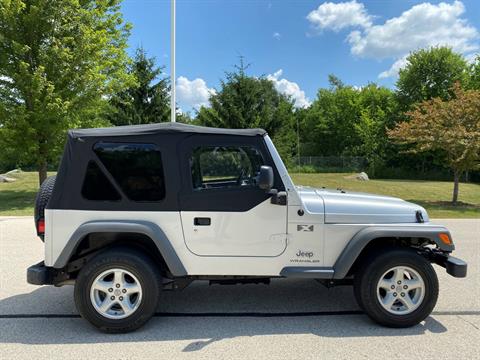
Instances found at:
x=117 y=290
x=397 y=288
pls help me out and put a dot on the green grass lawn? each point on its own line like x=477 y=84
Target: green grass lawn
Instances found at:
x=17 y=198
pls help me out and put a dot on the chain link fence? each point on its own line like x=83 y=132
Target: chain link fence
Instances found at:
x=331 y=163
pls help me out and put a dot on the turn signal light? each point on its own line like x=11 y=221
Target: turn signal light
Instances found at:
x=445 y=238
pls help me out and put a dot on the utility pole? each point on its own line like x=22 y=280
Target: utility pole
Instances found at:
x=173 y=102
x=298 y=142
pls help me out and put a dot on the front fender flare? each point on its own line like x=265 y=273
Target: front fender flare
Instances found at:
x=364 y=236
x=152 y=230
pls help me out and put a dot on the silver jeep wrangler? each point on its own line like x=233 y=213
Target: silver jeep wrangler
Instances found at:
x=136 y=210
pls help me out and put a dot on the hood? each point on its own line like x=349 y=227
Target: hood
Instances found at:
x=345 y=207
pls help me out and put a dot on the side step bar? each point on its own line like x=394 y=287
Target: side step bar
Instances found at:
x=252 y=280
x=307 y=272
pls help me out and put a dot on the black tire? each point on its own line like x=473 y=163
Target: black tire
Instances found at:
x=137 y=263
x=42 y=198
x=368 y=276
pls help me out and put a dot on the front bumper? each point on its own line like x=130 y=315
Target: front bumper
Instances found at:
x=39 y=274
x=454 y=266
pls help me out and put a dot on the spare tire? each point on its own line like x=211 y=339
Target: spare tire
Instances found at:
x=41 y=201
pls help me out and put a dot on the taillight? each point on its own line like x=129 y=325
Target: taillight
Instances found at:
x=41 y=227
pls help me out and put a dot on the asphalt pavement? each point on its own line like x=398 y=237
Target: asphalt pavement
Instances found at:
x=289 y=319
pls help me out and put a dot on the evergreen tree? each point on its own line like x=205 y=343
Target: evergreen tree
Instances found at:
x=252 y=102
x=148 y=100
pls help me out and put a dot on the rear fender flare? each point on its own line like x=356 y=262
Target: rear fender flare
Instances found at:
x=152 y=230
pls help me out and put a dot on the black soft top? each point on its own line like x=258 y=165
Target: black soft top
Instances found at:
x=160 y=128
x=167 y=137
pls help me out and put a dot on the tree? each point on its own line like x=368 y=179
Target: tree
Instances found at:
x=328 y=127
x=58 y=61
x=474 y=82
x=148 y=100
x=430 y=73
x=335 y=82
x=247 y=102
x=377 y=108
x=451 y=127
x=345 y=120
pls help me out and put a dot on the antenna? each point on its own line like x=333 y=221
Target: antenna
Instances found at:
x=173 y=102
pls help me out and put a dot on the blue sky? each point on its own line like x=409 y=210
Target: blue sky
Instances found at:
x=297 y=43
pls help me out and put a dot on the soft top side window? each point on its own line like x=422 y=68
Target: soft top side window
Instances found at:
x=216 y=167
x=136 y=167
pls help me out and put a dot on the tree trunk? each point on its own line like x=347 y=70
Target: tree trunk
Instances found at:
x=42 y=158
x=456 y=180
x=42 y=170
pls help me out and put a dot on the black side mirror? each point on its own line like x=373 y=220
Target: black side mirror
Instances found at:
x=265 y=178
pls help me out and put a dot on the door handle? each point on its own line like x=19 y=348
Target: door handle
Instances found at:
x=202 y=221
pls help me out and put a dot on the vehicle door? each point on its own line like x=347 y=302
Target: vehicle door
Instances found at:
x=223 y=211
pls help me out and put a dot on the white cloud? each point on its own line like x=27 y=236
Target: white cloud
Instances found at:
x=423 y=25
x=289 y=88
x=394 y=69
x=277 y=35
x=337 y=16
x=192 y=93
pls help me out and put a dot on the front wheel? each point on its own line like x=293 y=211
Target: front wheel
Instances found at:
x=118 y=290
x=398 y=288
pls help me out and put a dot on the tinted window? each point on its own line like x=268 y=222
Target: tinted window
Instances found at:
x=137 y=169
x=96 y=185
x=225 y=167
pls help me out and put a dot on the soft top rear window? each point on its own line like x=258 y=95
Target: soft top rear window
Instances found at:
x=96 y=185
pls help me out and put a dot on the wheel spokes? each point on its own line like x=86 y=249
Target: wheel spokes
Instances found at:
x=102 y=286
x=386 y=284
x=398 y=274
x=116 y=293
x=413 y=284
x=397 y=284
x=131 y=288
x=389 y=300
x=118 y=277
x=127 y=307
x=407 y=301
x=106 y=304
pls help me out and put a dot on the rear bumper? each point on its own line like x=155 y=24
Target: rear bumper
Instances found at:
x=454 y=266
x=39 y=274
